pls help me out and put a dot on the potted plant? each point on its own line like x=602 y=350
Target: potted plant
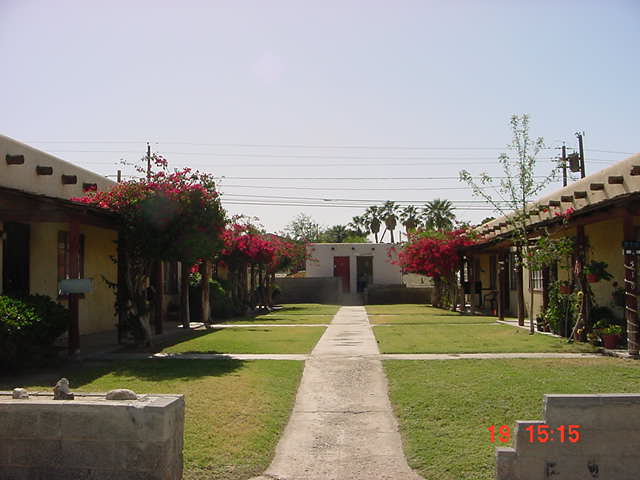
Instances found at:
x=597 y=271
x=564 y=287
x=611 y=336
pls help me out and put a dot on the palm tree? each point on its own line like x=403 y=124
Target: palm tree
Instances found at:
x=359 y=225
x=410 y=217
x=372 y=220
x=438 y=214
x=390 y=217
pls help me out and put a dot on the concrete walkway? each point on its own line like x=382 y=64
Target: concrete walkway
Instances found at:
x=342 y=426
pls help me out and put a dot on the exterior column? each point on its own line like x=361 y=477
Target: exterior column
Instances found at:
x=185 y=314
x=502 y=284
x=74 y=272
x=581 y=243
x=158 y=296
x=520 y=288
x=630 y=299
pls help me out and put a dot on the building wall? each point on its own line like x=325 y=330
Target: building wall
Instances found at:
x=24 y=177
x=604 y=241
x=97 y=307
x=385 y=272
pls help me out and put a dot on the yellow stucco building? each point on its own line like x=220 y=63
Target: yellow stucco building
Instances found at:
x=47 y=238
x=600 y=212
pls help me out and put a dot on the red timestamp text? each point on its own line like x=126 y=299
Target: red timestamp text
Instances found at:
x=540 y=433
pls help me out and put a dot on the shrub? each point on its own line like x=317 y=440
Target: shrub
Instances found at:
x=29 y=324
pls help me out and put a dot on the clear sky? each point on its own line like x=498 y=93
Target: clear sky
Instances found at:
x=297 y=88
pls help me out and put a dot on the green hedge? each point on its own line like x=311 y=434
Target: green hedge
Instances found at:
x=28 y=326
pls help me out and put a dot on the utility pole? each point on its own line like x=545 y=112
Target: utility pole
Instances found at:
x=564 y=165
x=581 y=150
x=149 y=161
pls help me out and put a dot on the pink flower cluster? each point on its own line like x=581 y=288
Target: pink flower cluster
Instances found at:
x=434 y=256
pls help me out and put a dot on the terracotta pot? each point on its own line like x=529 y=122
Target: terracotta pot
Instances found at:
x=592 y=278
x=565 y=289
x=610 y=340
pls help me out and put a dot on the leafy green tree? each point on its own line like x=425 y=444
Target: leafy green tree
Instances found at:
x=438 y=215
x=517 y=187
x=303 y=228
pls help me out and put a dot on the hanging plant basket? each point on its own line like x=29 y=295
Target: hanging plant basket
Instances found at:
x=592 y=278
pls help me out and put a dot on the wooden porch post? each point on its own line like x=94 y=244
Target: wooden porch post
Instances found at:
x=74 y=272
x=158 y=297
x=520 y=287
x=502 y=270
x=185 y=315
x=581 y=243
x=630 y=299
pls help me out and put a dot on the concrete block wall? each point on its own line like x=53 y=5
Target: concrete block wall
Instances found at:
x=91 y=438
x=607 y=449
x=309 y=290
x=394 y=294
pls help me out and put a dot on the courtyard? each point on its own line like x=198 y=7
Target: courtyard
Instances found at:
x=237 y=410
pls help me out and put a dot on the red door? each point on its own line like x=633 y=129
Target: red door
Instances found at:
x=341 y=269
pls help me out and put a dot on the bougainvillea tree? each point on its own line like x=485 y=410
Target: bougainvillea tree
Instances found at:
x=252 y=259
x=174 y=216
x=436 y=255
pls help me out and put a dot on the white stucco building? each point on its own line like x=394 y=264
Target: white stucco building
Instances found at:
x=358 y=264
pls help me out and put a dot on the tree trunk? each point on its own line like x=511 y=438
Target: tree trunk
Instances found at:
x=252 y=287
x=436 y=299
x=392 y=241
x=204 y=286
x=185 y=315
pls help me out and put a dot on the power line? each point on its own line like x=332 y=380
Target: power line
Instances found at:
x=331 y=205
x=350 y=178
x=301 y=146
x=483 y=202
x=273 y=187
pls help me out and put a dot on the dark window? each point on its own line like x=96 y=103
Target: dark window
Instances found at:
x=64 y=265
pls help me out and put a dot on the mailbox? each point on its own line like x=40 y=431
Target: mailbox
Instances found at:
x=75 y=285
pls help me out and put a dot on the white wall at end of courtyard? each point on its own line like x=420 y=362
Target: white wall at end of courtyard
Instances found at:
x=320 y=261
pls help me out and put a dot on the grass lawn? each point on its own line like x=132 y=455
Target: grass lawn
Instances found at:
x=469 y=339
x=408 y=309
x=235 y=411
x=251 y=340
x=445 y=407
x=307 y=309
x=427 y=318
x=276 y=318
